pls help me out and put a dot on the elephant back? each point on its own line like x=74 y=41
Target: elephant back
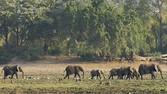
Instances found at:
x=114 y=71
x=95 y=72
x=8 y=70
x=15 y=68
x=125 y=70
x=146 y=68
x=70 y=69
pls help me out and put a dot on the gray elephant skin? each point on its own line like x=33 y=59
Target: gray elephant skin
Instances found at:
x=97 y=73
x=113 y=72
x=11 y=70
x=149 y=69
x=73 y=70
x=124 y=71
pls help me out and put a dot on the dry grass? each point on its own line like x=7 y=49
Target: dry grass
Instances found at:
x=55 y=65
x=53 y=68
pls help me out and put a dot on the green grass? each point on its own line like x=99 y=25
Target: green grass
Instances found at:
x=53 y=68
x=52 y=85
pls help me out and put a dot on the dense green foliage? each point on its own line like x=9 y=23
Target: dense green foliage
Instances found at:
x=78 y=27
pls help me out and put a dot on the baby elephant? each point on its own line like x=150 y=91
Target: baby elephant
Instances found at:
x=125 y=71
x=114 y=72
x=135 y=73
x=96 y=73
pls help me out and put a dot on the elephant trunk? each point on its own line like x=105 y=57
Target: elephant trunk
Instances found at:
x=22 y=74
x=103 y=74
x=21 y=70
x=83 y=74
x=159 y=69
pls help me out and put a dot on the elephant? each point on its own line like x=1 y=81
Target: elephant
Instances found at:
x=114 y=72
x=96 y=73
x=135 y=73
x=73 y=70
x=11 y=70
x=124 y=71
x=149 y=69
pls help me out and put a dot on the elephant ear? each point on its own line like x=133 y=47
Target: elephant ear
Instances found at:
x=101 y=71
x=158 y=68
x=17 y=67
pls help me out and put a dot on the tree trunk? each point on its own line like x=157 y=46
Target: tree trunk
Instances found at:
x=6 y=32
x=17 y=36
x=161 y=34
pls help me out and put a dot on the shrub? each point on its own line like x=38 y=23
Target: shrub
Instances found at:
x=32 y=53
x=4 y=56
x=7 y=53
x=55 y=51
x=154 y=54
x=88 y=56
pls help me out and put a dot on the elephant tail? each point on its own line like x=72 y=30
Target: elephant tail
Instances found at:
x=83 y=74
x=159 y=70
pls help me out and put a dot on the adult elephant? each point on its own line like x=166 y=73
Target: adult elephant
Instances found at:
x=124 y=71
x=73 y=70
x=149 y=69
x=114 y=72
x=11 y=70
x=96 y=73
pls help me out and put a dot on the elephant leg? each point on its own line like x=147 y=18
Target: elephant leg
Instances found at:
x=117 y=77
x=152 y=76
x=92 y=77
x=75 y=75
x=16 y=76
x=99 y=76
x=128 y=76
x=79 y=75
x=5 y=76
x=67 y=75
x=141 y=77
x=12 y=76
x=121 y=77
x=109 y=77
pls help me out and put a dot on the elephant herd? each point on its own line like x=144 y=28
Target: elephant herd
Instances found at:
x=121 y=73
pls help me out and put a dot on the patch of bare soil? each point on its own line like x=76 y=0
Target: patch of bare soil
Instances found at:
x=57 y=64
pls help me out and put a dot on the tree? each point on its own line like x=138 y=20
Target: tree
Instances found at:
x=159 y=8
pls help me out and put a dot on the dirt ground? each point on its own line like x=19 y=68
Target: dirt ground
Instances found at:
x=46 y=73
x=53 y=65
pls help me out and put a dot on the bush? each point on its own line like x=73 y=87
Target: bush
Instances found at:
x=32 y=53
x=4 y=56
x=155 y=54
x=88 y=56
x=54 y=51
x=7 y=53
